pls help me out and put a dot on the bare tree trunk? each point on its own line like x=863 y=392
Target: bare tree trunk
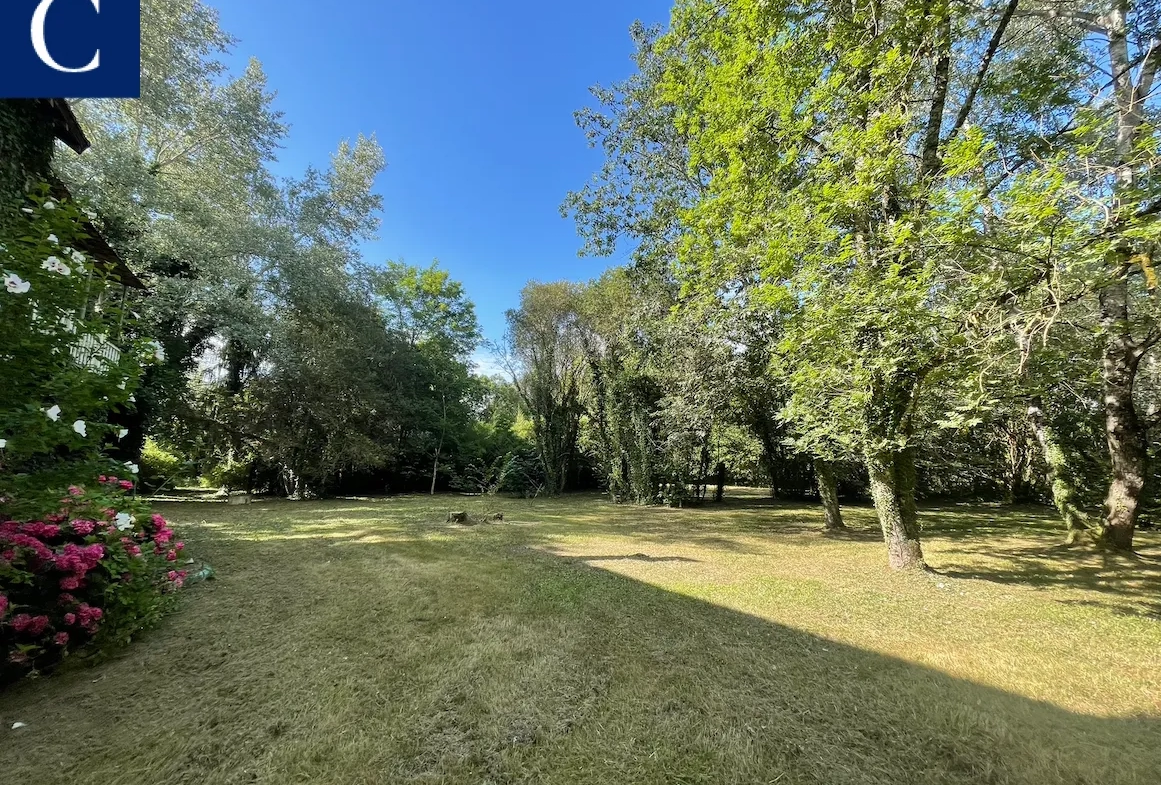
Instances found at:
x=1124 y=432
x=720 y=491
x=893 y=489
x=828 y=494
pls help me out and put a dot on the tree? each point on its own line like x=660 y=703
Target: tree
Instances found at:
x=826 y=129
x=180 y=182
x=431 y=312
x=543 y=355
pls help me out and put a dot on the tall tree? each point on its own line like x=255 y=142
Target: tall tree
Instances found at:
x=543 y=355
x=825 y=127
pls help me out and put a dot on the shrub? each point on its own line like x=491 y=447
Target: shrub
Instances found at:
x=89 y=574
x=160 y=466
x=71 y=354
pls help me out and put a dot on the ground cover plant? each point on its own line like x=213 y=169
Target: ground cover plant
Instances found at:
x=580 y=641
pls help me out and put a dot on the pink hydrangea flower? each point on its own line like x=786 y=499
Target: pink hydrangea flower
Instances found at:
x=126 y=485
x=38 y=625
x=41 y=550
x=179 y=546
x=75 y=490
x=42 y=530
x=70 y=618
x=66 y=599
x=3 y=604
x=158 y=521
x=84 y=528
x=71 y=583
x=61 y=638
x=171 y=556
x=33 y=625
x=89 y=616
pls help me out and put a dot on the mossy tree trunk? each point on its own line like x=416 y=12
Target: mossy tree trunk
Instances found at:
x=1064 y=494
x=892 y=474
x=828 y=494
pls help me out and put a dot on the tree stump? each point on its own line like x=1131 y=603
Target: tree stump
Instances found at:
x=457 y=517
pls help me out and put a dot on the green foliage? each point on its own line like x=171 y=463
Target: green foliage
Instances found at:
x=160 y=466
x=73 y=355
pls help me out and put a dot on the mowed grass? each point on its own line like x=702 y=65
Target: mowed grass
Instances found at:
x=366 y=641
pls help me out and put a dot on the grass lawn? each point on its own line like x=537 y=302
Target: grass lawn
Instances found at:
x=581 y=642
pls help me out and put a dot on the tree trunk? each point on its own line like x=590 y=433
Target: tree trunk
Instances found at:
x=893 y=489
x=828 y=493
x=1124 y=432
x=1063 y=493
x=720 y=492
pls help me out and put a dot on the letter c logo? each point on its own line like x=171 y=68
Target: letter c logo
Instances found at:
x=38 y=42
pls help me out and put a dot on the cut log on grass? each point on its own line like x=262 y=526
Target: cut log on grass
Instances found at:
x=498 y=516
x=457 y=517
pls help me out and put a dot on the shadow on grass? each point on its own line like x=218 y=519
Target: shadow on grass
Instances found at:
x=440 y=655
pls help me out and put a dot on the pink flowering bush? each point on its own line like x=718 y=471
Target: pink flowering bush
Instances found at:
x=91 y=573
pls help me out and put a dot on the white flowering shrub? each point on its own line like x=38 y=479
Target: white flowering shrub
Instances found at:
x=69 y=351
x=82 y=562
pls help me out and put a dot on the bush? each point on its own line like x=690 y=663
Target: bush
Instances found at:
x=161 y=467
x=89 y=574
x=71 y=354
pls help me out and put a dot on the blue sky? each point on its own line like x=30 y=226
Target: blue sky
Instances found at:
x=472 y=103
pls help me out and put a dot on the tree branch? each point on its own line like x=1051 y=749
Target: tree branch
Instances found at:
x=981 y=73
x=1089 y=21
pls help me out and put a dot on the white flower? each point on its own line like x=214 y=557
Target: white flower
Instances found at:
x=124 y=521
x=80 y=427
x=133 y=468
x=121 y=386
x=52 y=239
x=3 y=443
x=132 y=399
x=78 y=257
x=15 y=284
x=55 y=265
x=26 y=210
x=121 y=434
x=53 y=413
x=50 y=205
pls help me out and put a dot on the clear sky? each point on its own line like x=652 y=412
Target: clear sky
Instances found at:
x=472 y=103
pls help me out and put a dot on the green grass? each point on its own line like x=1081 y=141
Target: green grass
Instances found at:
x=581 y=642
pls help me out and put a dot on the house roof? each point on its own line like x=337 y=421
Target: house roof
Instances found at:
x=95 y=246
x=59 y=115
